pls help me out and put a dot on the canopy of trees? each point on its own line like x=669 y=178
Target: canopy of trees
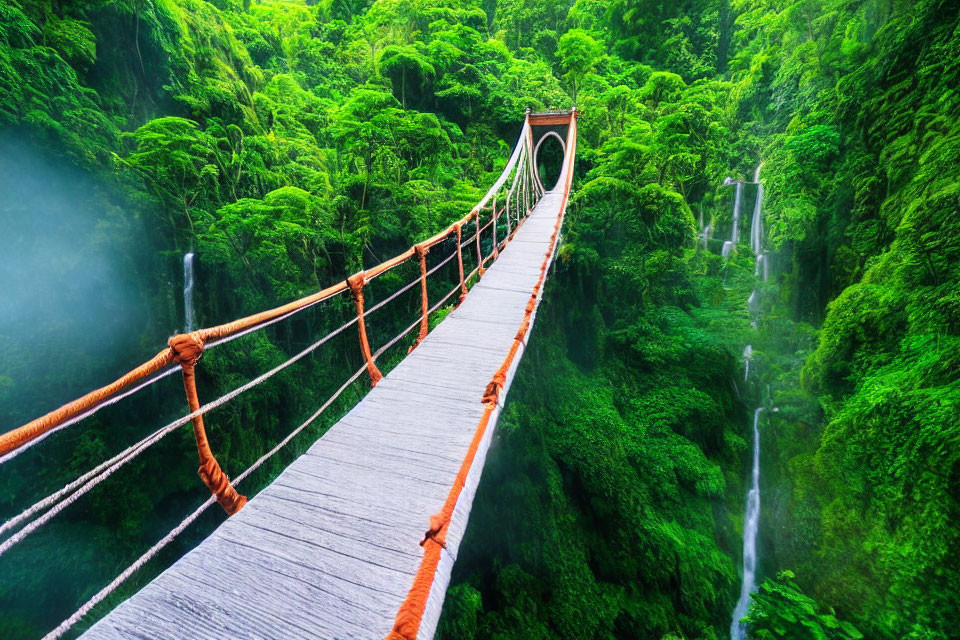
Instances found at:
x=288 y=144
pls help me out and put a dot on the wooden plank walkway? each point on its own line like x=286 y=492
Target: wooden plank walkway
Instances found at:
x=330 y=548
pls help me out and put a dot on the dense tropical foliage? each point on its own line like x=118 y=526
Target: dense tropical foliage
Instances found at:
x=288 y=144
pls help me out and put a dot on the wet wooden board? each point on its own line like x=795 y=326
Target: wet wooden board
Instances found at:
x=330 y=548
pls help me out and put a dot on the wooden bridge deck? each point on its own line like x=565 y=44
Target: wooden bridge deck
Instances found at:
x=330 y=548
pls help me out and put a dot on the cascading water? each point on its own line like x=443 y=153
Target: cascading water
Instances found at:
x=704 y=230
x=756 y=225
x=737 y=198
x=751 y=520
x=730 y=245
x=753 y=302
x=188 y=316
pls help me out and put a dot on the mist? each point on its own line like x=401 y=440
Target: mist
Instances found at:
x=75 y=280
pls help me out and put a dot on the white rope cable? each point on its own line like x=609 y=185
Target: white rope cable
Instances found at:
x=150 y=381
x=89 y=412
x=103 y=471
x=507 y=170
x=413 y=326
x=107 y=468
x=105 y=592
x=516 y=177
x=91 y=478
x=102 y=595
x=220 y=341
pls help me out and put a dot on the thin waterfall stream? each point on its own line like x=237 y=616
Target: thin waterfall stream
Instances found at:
x=730 y=245
x=189 y=321
x=751 y=520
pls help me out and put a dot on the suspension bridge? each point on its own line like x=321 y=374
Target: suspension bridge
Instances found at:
x=357 y=537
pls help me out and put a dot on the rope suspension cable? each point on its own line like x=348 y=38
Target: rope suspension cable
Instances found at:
x=88 y=404
x=70 y=493
x=57 y=502
x=172 y=368
x=410 y=614
x=185 y=350
x=511 y=192
x=101 y=472
x=105 y=592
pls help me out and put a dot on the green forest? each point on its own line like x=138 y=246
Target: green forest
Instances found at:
x=783 y=174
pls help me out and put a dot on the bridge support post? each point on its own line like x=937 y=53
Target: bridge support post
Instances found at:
x=463 y=284
x=496 y=249
x=356 y=282
x=187 y=349
x=480 y=269
x=422 y=251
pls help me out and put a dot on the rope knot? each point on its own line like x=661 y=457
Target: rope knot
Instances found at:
x=421 y=250
x=219 y=485
x=355 y=283
x=187 y=348
x=492 y=393
x=436 y=532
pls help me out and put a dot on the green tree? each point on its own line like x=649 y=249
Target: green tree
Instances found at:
x=578 y=53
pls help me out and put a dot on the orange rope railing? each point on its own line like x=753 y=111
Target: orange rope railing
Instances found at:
x=410 y=614
x=186 y=349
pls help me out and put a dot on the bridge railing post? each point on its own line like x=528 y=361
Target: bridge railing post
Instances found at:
x=480 y=269
x=496 y=249
x=506 y=211
x=355 y=283
x=463 y=284
x=421 y=251
x=187 y=349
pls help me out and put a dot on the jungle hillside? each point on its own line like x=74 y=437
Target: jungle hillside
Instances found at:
x=738 y=414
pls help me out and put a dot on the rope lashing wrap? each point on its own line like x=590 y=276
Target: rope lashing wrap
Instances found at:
x=422 y=252
x=355 y=283
x=496 y=251
x=187 y=348
x=480 y=269
x=407 y=622
x=463 y=283
x=492 y=393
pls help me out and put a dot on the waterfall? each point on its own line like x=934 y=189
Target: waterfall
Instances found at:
x=188 y=316
x=704 y=230
x=756 y=225
x=756 y=230
x=738 y=196
x=730 y=245
x=761 y=268
x=751 y=520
